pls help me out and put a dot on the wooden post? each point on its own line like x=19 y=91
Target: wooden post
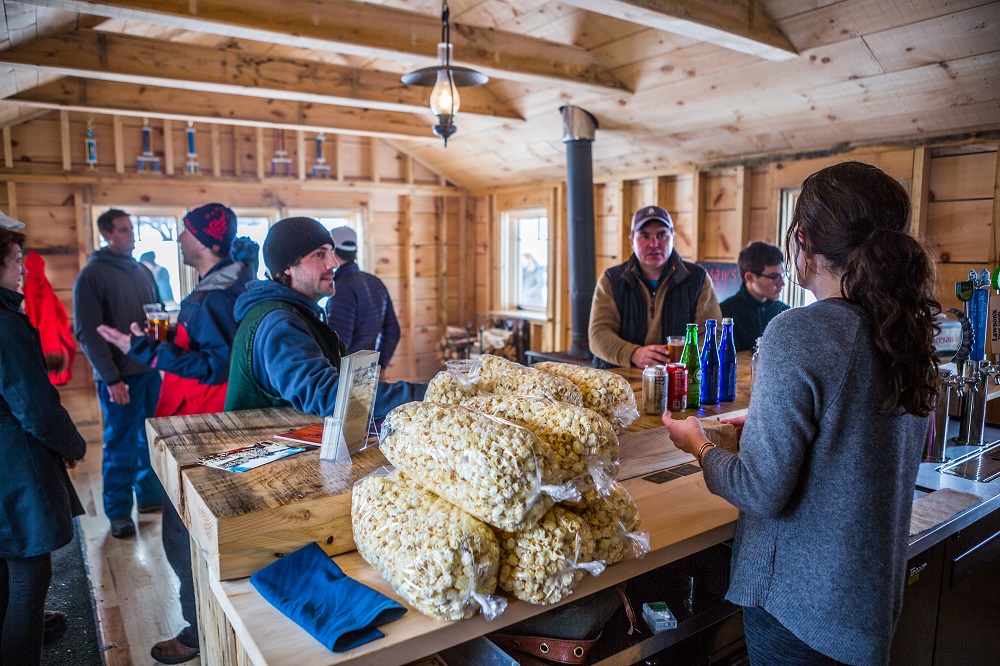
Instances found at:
x=463 y=265
x=260 y=153
x=442 y=262
x=168 y=147
x=698 y=213
x=300 y=149
x=216 y=154
x=373 y=148
x=743 y=181
x=84 y=239
x=408 y=168
x=8 y=148
x=67 y=157
x=920 y=191
x=338 y=152
x=118 y=133
x=237 y=150
x=12 y=199
x=406 y=238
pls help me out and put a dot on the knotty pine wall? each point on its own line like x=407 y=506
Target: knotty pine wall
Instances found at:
x=956 y=205
x=415 y=234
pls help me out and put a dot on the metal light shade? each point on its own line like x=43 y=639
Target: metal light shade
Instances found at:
x=462 y=76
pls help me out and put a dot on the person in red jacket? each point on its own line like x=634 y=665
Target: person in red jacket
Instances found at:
x=47 y=313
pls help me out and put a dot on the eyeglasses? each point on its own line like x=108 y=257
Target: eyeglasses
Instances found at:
x=782 y=275
x=659 y=236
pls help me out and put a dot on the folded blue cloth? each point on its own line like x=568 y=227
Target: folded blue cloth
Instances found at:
x=338 y=611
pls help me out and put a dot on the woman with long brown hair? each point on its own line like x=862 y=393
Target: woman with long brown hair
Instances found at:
x=831 y=442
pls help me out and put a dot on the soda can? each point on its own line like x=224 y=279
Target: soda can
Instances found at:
x=654 y=389
x=677 y=387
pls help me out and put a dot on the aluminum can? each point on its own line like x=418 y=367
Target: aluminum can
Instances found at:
x=677 y=387
x=654 y=389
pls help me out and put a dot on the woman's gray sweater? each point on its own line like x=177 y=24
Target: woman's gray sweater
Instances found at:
x=824 y=484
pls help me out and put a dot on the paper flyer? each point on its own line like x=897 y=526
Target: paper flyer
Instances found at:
x=249 y=457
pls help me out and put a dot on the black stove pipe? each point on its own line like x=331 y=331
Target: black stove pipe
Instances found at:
x=578 y=135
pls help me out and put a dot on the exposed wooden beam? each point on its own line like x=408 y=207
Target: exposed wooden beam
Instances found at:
x=141 y=101
x=739 y=25
x=354 y=28
x=111 y=57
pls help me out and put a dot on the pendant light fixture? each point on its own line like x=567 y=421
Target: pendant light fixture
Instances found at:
x=446 y=80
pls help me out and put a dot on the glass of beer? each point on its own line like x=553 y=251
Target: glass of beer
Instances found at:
x=675 y=346
x=158 y=321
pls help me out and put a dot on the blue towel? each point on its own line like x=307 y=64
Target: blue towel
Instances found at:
x=338 y=611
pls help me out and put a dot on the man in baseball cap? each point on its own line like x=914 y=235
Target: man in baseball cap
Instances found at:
x=653 y=295
x=284 y=352
x=360 y=310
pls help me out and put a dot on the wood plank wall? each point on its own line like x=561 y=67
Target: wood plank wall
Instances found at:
x=718 y=212
x=415 y=227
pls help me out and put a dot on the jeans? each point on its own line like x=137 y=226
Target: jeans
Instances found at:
x=769 y=643
x=125 y=466
x=177 y=545
x=24 y=584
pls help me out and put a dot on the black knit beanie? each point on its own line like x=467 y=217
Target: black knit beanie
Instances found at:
x=214 y=225
x=291 y=239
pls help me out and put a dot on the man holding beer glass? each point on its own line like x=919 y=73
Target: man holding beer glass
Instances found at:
x=111 y=290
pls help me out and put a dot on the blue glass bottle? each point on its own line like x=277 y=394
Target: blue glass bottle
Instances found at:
x=727 y=362
x=710 y=370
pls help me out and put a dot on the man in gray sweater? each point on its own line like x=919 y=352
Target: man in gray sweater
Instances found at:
x=111 y=289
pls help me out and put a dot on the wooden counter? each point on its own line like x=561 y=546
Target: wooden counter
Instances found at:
x=277 y=508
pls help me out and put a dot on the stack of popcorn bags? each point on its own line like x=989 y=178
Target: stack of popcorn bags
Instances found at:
x=504 y=476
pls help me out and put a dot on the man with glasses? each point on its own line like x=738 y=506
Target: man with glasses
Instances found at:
x=752 y=308
x=653 y=295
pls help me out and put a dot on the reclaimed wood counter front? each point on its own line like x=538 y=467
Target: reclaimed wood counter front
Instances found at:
x=257 y=516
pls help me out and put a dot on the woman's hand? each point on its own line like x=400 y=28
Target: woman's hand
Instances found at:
x=687 y=435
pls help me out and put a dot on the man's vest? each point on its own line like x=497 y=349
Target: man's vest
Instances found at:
x=680 y=303
x=245 y=392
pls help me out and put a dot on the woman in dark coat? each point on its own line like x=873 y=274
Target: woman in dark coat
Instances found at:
x=37 y=442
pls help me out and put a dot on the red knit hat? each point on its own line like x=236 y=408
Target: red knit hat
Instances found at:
x=214 y=225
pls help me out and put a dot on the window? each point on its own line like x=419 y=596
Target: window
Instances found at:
x=525 y=259
x=156 y=232
x=254 y=223
x=792 y=293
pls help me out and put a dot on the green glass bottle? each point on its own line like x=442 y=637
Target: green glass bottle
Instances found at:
x=692 y=359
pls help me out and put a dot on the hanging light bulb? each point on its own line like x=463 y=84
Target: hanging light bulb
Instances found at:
x=446 y=79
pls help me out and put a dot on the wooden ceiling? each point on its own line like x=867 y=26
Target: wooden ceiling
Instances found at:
x=672 y=82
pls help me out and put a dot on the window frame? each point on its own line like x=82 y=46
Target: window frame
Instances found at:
x=510 y=259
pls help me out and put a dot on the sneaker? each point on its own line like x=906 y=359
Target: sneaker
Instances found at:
x=172 y=651
x=122 y=528
x=55 y=625
x=151 y=508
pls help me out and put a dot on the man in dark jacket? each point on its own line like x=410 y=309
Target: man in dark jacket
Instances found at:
x=284 y=353
x=37 y=442
x=111 y=289
x=360 y=310
x=653 y=295
x=196 y=363
x=762 y=267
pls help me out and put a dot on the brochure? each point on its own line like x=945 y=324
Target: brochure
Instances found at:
x=311 y=435
x=249 y=457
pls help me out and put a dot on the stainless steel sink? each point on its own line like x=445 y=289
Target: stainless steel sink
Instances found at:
x=982 y=465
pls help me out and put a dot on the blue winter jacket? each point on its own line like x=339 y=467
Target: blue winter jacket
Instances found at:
x=37 y=499
x=361 y=313
x=288 y=362
x=207 y=316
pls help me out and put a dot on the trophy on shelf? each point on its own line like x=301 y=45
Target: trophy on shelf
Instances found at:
x=281 y=163
x=147 y=163
x=192 y=168
x=91 y=144
x=320 y=169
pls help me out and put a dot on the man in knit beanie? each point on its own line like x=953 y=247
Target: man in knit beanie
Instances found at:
x=284 y=353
